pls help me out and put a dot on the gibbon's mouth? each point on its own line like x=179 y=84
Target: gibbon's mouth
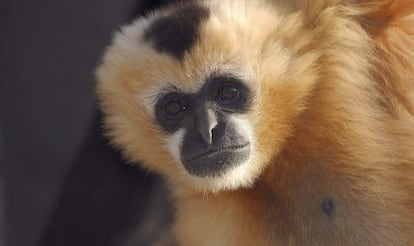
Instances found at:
x=215 y=162
x=219 y=150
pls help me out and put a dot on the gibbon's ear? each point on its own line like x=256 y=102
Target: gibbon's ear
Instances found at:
x=391 y=24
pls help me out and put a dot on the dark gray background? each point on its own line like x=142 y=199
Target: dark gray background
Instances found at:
x=2 y=210
x=60 y=183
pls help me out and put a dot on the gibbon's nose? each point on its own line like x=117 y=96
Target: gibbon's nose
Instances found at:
x=206 y=121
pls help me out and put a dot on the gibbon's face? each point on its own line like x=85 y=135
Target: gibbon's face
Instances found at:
x=206 y=93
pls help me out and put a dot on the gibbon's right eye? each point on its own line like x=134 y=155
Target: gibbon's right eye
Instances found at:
x=174 y=108
x=171 y=110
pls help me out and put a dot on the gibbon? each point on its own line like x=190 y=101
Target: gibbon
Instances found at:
x=273 y=122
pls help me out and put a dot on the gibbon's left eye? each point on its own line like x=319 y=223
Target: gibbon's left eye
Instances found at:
x=227 y=93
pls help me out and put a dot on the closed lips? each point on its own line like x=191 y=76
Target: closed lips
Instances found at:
x=219 y=150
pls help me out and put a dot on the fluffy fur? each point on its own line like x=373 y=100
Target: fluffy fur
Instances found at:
x=332 y=120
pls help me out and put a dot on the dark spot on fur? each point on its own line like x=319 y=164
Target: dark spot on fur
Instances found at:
x=178 y=31
x=328 y=206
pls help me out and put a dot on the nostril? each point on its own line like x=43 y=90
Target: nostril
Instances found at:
x=207 y=124
x=218 y=133
x=214 y=133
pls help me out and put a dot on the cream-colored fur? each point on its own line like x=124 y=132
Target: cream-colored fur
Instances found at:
x=332 y=159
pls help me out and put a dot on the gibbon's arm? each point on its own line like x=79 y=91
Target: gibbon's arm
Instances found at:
x=392 y=24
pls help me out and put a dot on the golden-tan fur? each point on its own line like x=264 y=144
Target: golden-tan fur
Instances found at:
x=332 y=115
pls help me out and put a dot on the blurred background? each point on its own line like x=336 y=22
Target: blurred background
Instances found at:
x=60 y=181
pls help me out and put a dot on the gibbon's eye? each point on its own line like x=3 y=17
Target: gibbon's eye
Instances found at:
x=174 y=108
x=227 y=93
x=171 y=110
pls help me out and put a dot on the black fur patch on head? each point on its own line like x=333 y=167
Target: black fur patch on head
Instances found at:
x=178 y=31
x=328 y=206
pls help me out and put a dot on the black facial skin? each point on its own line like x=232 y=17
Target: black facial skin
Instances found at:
x=212 y=142
x=176 y=33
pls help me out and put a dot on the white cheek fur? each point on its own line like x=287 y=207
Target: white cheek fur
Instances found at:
x=243 y=125
x=174 y=143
